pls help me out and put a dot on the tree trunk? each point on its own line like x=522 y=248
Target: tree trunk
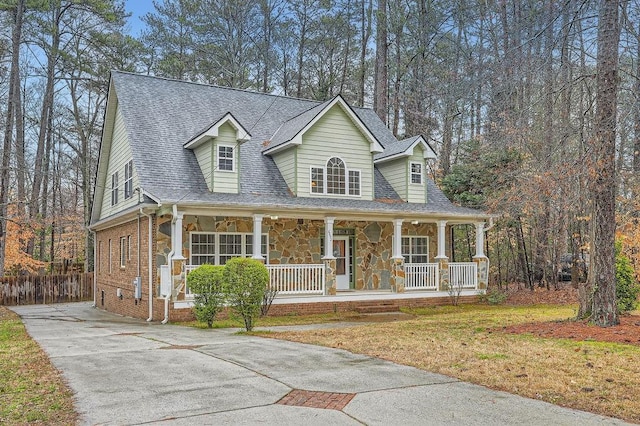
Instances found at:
x=12 y=111
x=602 y=169
x=381 y=72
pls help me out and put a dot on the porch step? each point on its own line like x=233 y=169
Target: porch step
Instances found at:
x=377 y=307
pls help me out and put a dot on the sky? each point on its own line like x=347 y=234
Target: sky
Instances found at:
x=137 y=8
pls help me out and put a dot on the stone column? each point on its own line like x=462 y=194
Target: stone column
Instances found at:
x=397 y=275
x=482 y=262
x=257 y=238
x=443 y=260
x=330 y=285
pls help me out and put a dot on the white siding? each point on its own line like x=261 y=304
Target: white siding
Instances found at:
x=225 y=181
x=416 y=193
x=204 y=155
x=335 y=135
x=119 y=155
x=395 y=171
x=286 y=162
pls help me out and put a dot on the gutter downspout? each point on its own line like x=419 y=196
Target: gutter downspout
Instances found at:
x=150 y=263
x=95 y=271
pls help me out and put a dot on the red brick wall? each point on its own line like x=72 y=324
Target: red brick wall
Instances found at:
x=328 y=307
x=111 y=277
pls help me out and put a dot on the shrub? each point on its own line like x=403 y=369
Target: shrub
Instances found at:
x=246 y=281
x=269 y=294
x=627 y=286
x=493 y=296
x=206 y=283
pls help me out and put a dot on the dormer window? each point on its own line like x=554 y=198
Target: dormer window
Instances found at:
x=225 y=158
x=335 y=179
x=416 y=173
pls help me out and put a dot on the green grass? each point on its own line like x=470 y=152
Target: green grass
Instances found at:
x=467 y=342
x=31 y=389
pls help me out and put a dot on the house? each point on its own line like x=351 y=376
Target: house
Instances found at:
x=338 y=209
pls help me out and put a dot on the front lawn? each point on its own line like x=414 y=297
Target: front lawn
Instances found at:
x=467 y=342
x=31 y=389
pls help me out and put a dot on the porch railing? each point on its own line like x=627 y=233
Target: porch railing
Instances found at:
x=463 y=275
x=297 y=279
x=421 y=276
x=426 y=276
x=285 y=279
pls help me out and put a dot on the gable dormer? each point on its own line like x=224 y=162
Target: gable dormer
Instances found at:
x=218 y=154
x=404 y=166
x=326 y=151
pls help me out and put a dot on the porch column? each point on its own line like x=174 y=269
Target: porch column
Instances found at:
x=443 y=260
x=329 y=259
x=178 y=259
x=397 y=239
x=397 y=261
x=482 y=262
x=257 y=237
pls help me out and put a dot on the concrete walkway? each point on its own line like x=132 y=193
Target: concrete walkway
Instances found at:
x=125 y=371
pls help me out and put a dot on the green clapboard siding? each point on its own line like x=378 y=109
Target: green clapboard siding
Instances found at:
x=224 y=181
x=119 y=155
x=286 y=162
x=395 y=171
x=335 y=135
x=204 y=155
x=416 y=193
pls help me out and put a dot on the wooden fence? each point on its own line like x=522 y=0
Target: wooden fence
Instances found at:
x=44 y=289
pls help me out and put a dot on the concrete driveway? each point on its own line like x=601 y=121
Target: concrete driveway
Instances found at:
x=125 y=371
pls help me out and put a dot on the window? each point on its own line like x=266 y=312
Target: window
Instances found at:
x=203 y=249
x=335 y=178
x=354 y=182
x=415 y=249
x=124 y=251
x=114 y=189
x=230 y=246
x=128 y=180
x=99 y=257
x=317 y=180
x=218 y=248
x=128 y=247
x=416 y=173
x=110 y=259
x=225 y=158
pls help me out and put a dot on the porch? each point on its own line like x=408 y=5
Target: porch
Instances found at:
x=311 y=258
x=310 y=279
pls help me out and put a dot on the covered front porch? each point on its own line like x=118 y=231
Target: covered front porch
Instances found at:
x=323 y=257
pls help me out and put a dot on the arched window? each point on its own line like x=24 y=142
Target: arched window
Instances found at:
x=336 y=179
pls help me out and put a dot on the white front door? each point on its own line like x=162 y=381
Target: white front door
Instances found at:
x=343 y=263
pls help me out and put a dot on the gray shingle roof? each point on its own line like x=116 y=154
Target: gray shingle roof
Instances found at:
x=160 y=115
x=293 y=126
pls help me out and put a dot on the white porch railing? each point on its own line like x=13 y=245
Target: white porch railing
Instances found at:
x=297 y=279
x=187 y=269
x=463 y=275
x=421 y=276
x=426 y=276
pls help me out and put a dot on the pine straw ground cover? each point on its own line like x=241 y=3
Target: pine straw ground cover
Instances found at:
x=468 y=342
x=31 y=389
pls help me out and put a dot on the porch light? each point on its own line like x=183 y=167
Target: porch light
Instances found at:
x=274 y=217
x=414 y=222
